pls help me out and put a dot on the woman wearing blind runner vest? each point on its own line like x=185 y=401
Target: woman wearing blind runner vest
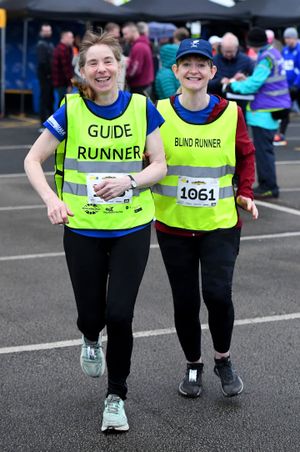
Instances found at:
x=206 y=143
x=105 y=205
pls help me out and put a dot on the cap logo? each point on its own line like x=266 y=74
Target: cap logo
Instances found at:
x=194 y=43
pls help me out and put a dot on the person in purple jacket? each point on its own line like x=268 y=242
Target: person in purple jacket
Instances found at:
x=269 y=86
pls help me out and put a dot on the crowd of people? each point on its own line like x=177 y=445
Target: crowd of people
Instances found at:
x=187 y=163
x=147 y=67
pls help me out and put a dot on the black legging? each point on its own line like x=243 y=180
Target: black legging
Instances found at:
x=217 y=252
x=106 y=274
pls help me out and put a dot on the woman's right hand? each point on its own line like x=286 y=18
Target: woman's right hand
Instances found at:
x=44 y=146
x=58 y=211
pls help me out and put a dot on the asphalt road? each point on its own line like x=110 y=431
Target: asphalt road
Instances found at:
x=48 y=404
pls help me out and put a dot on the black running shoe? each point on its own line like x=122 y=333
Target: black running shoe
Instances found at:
x=232 y=384
x=260 y=193
x=191 y=385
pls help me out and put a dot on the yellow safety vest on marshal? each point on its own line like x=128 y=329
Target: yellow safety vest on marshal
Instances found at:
x=197 y=193
x=96 y=148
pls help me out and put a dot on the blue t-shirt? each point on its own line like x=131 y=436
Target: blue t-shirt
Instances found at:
x=195 y=117
x=56 y=124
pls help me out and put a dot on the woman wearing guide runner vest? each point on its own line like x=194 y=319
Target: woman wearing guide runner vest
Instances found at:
x=206 y=143
x=104 y=201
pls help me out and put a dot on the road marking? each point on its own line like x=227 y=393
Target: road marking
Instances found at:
x=15 y=122
x=21 y=257
x=289 y=190
x=141 y=334
x=279 y=235
x=288 y=162
x=13 y=125
x=277 y=207
x=30 y=256
x=9 y=176
x=15 y=147
x=35 y=206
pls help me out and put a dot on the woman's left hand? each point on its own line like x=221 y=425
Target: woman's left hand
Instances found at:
x=112 y=187
x=249 y=205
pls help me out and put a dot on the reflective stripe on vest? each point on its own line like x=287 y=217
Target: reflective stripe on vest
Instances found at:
x=167 y=190
x=201 y=171
x=277 y=92
x=81 y=189
x=199 y=151
x=98 y=145
x=106 y=166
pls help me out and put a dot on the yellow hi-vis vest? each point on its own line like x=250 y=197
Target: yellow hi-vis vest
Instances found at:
x=197 y=193
x=95 y=147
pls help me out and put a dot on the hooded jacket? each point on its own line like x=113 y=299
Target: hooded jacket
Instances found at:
x=166 y=83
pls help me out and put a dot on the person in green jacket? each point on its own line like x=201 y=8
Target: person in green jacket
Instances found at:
x=166 y=83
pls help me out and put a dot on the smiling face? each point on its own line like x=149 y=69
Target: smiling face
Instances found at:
x=101 y=70
x=194 y=72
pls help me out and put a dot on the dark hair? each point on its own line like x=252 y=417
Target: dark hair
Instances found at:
x=91 y=39
x=185 y=57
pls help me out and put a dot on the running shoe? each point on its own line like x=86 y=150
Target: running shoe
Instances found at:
x=191 y=385
x=114 y=416
x=92 y=358
x=260 y=193
x=279 y=140
x=231 y=383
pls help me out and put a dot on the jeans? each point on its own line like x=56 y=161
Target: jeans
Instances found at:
x=265 y=158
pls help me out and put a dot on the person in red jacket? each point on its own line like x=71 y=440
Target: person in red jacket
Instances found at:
x=62 y=69
x=140 y=68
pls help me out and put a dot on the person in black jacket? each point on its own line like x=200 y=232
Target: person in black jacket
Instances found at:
x=231 y=63
x=44 y=50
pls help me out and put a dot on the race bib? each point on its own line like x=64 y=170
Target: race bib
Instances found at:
x=94 y=179
x=288 y=65
x=197 y=192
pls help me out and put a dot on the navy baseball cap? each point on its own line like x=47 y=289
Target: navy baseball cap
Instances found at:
x=194 y=47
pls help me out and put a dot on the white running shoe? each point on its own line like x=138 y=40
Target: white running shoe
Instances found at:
x=92 y=359
x=114 y=416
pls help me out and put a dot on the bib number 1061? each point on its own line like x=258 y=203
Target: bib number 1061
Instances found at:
x=197 y=193
x=201 y=194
